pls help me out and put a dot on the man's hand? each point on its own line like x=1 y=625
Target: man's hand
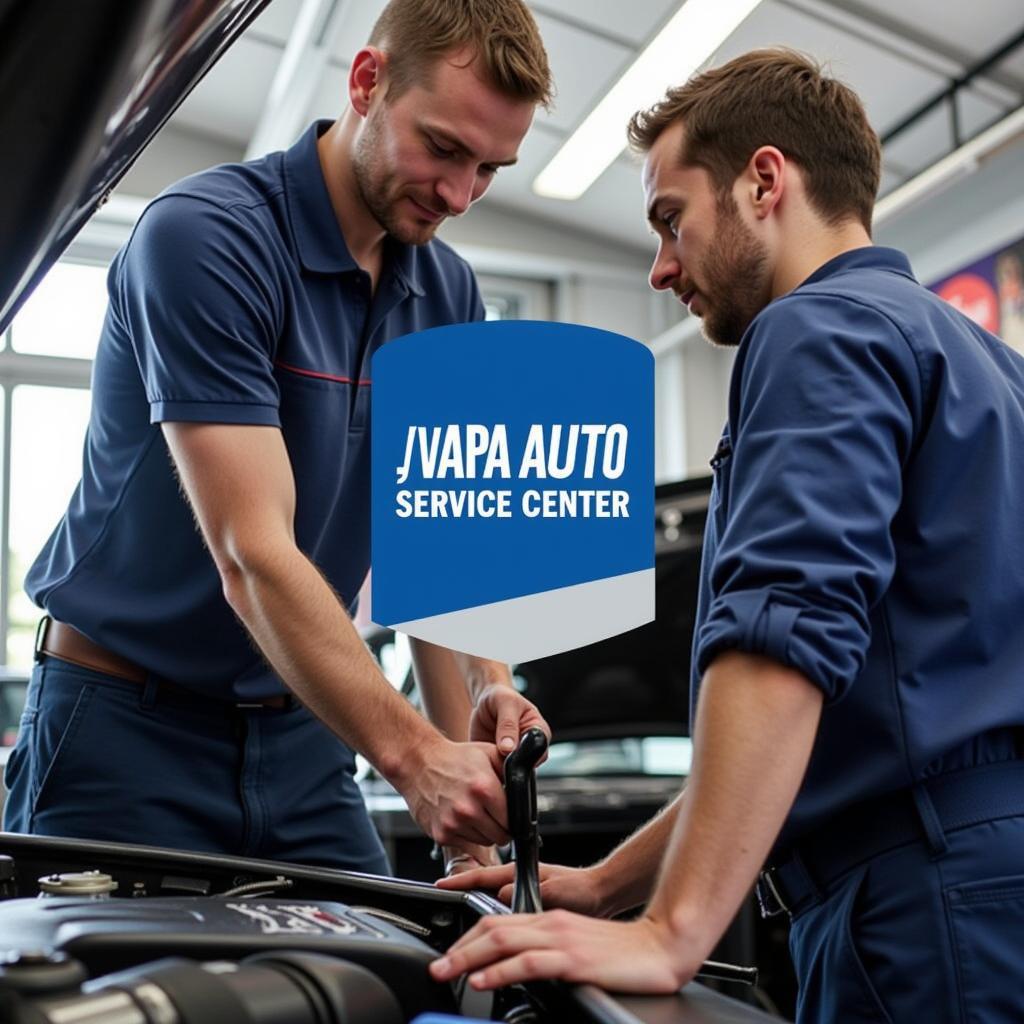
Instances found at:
x=504 y=949
x=578 y=889
x=501 y=715
x=454 y=792
x=459 y=860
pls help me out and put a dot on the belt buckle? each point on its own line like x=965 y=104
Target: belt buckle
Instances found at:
x=41 y=630
x=768 y=897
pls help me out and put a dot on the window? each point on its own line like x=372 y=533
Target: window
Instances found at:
x=44 y=379
x=501 y=307
x=515 y=298
x=47 y=432
x=63 y=316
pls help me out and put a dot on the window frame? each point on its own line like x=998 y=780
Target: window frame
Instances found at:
x=20 y=368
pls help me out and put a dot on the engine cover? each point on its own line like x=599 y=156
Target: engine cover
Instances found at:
x=113 y=934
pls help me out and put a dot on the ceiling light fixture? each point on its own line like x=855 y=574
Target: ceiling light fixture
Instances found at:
x=680 y=48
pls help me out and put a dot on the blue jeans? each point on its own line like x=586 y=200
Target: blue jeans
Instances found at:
x=102 y=758
x=923 y=939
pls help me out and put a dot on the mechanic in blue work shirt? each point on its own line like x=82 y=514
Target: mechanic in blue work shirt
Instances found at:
x=231 y=392
x=859 y=651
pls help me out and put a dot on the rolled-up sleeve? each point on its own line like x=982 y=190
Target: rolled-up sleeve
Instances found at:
x=823 y=413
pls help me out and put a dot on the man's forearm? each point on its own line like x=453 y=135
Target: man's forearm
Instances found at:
x=480 y=673
x=627 y=875
x=309 y=639
x=446 y=691
x=451 y=682
x=755 y=728
x=443 y=688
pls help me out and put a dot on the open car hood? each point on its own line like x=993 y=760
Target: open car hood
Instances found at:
x=83 y=88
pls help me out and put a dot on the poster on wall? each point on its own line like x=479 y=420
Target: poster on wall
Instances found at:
x=991 y=292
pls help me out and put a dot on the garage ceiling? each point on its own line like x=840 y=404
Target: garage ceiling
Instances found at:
x=896 y=56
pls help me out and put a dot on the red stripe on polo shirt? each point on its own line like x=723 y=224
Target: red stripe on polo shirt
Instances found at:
x=321 y=376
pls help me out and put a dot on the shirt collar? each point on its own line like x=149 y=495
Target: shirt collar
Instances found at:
x=404 y=261
x=868 y=257
x=318 y=238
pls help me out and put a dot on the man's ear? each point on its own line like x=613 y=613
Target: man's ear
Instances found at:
x=764 y=180
x=366 y=78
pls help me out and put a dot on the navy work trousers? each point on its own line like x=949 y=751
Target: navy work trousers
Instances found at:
x=915 y=936
x=102 y=758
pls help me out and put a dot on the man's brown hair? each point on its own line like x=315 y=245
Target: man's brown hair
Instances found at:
x=501 y=33
x=780 y=98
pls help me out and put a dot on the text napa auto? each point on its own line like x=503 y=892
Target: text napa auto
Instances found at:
x=474 y=451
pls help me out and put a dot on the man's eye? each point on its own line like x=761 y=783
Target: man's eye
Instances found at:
x=671 y=221
x=439 y=150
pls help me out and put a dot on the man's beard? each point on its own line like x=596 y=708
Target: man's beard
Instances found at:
x=379 y=193
x=736 y=280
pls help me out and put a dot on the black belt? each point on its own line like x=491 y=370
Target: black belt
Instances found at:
x=799 y=878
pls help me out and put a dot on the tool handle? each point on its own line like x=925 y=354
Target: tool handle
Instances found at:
x=521 y=795
x=714 y=971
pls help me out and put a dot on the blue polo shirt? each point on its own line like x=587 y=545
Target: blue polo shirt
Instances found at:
x=237 y=301
x=867 y=528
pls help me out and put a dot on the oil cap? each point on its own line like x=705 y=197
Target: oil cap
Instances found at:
x=96 y=884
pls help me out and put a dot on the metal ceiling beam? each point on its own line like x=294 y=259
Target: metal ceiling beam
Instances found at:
x=298 y=75
x=962 y=81
x=961 y=163
x=552 y=12
x=908 y=43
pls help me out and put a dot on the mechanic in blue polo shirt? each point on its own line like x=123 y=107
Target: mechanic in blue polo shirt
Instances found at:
x=859 y=650
x=231 y=390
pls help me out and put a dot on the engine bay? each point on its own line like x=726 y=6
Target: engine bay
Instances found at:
x=98 y=933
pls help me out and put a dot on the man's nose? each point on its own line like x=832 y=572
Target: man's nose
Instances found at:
x=456 y=191
x=664 y=271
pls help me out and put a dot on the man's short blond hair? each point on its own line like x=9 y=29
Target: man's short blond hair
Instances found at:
x=501 y=34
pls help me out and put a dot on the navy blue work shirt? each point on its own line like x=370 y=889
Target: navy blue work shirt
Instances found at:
x=867 y=528
x=237 y=301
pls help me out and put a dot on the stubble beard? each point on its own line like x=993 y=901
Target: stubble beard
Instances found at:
x=378 y=191
x=736 y=278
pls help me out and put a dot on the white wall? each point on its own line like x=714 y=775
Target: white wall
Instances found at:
x=670 y=426
x=174 y=154
x=969 y=219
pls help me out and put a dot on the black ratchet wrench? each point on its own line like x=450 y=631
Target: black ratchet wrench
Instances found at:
x=521 y=795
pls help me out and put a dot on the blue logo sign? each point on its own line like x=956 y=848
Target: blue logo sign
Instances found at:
x=513 y=487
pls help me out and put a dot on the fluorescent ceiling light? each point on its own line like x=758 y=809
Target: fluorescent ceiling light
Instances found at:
x=682 y=46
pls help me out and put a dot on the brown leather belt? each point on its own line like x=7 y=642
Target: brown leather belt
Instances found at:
x=60 y=640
